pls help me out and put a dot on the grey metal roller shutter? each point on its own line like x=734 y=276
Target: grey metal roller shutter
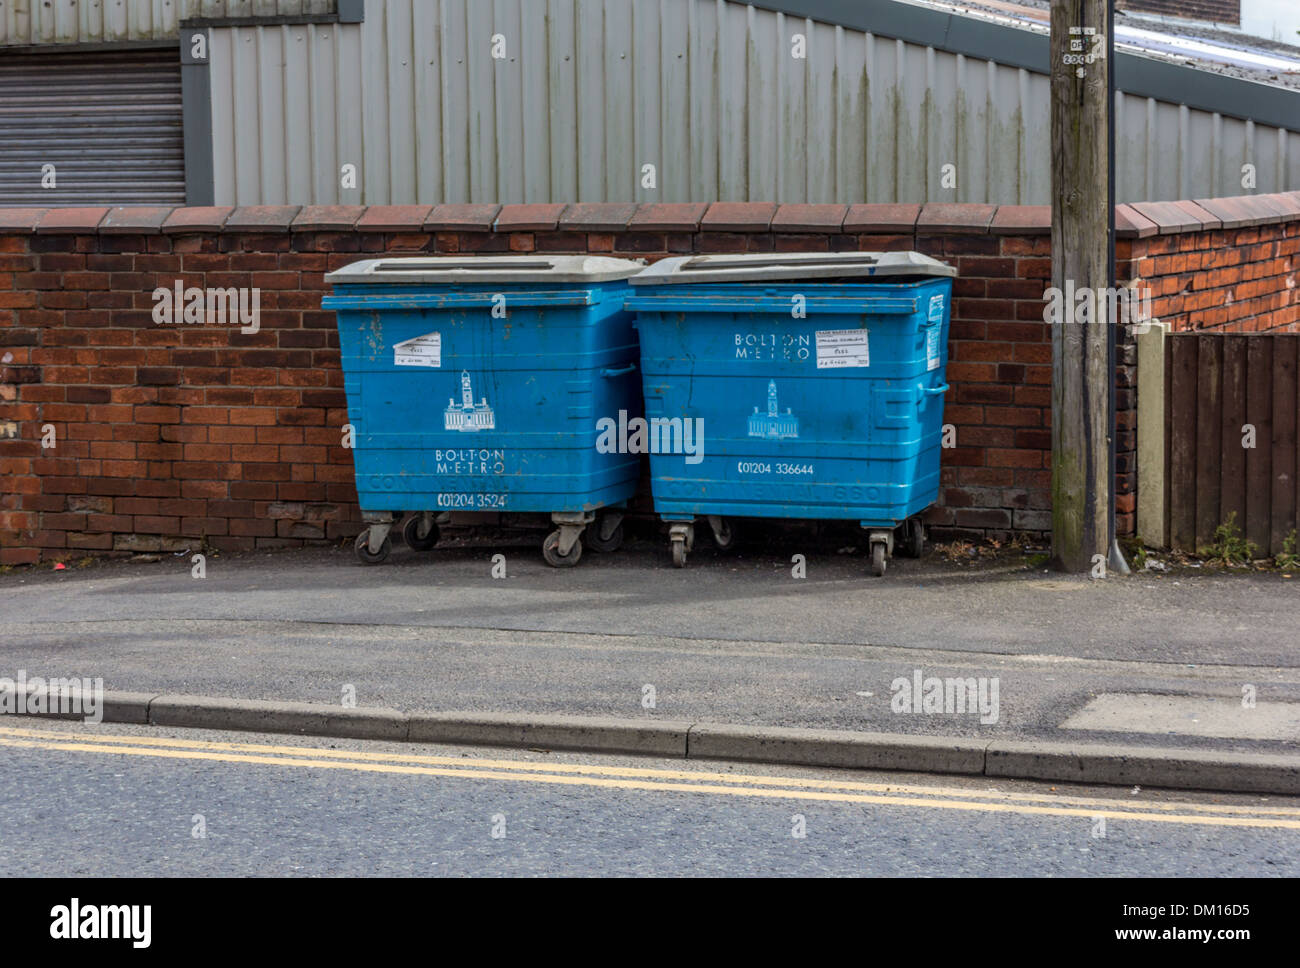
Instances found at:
x=108 y=120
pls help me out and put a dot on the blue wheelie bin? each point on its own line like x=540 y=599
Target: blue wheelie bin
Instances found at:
x=814 y=383
x=475 y=384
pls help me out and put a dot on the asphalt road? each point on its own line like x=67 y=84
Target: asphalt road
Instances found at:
x=727 y=639
x=118 y=801
x=1186 y=619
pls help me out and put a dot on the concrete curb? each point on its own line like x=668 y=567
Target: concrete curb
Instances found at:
x=578 y=733
x=256 y=715
x=1141 y=766
x=117 y=707
x=1099 y=763
x=830 y=747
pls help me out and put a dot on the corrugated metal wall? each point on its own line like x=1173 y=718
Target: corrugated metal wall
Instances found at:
x=109 y=122
x=96 y=21
x=705 y=90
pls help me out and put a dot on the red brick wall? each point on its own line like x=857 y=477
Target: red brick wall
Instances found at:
x=1218 y=11
x=172 y=435
x=1227 y=265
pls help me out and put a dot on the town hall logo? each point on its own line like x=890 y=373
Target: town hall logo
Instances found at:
x=773 y=425
x=468 y=416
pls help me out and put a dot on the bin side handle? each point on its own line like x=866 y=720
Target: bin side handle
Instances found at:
x=610 y=371
x=935 y=391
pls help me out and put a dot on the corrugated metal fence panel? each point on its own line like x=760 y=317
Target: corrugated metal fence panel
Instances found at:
x=285 y=115
x=1166 y=151
x=24 y=22
x=709 y=92
x=109 y=122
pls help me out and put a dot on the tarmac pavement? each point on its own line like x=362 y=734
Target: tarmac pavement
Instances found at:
x=728 y=640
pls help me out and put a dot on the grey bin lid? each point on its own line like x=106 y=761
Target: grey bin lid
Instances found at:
x=488 y=269
x=765 y=267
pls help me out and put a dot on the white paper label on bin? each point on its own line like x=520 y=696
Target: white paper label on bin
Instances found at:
x=423 y=350
x=932 y=350
x=842 y=347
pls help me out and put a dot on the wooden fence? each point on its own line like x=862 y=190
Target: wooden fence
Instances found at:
x=1231 y=405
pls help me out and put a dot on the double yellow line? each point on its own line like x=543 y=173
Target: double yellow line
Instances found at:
x=643 y=778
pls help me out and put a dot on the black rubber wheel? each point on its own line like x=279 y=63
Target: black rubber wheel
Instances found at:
x=591 y=536
x=911 y=540
x=679 y=554
x=915 y=539
x=551 y=552
x=878 y=559
x=726 y=541
x=411 y=534
x=362 y=547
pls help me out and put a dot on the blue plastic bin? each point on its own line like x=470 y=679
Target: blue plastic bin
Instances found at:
x=475 y=385
x=816 y=383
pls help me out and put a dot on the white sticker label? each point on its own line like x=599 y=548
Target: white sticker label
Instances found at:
x=423 y=350
x=842 y=347
x=932 y=350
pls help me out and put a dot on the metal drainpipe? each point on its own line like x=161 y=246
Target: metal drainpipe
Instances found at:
x=1116 y=563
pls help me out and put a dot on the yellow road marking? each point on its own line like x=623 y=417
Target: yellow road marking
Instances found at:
x=649 y=773
x=629 y=784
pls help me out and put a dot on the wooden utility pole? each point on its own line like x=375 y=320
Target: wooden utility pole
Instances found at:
x=1081 y=373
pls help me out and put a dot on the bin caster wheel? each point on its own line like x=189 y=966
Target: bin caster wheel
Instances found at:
x=411 y=534
x=914 y=538
x=551 y=552
x=724 y=536
x=367 y=557
x=592 y=536
x=679 y=553
x=878 y=559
